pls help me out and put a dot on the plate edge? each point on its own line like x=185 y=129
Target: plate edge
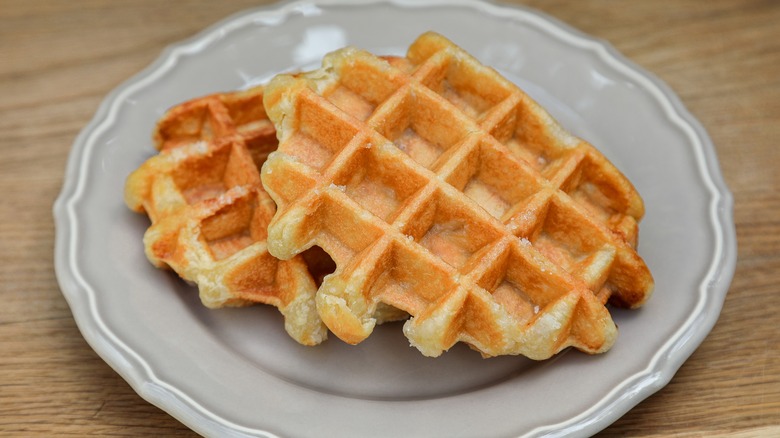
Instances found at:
x=716 y=281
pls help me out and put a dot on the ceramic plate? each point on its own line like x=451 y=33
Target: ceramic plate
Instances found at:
x=236 y=372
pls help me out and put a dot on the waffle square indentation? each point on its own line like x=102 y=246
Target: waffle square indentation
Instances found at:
x=419 y=126
x=378 y=184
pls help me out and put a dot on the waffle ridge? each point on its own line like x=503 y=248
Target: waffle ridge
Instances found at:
x=441 y=189
x=209 y=211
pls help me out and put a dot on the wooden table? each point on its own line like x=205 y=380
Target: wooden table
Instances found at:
x=58 y=60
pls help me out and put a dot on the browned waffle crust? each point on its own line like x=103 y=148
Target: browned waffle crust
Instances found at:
x=440 y=188
x=209 y=211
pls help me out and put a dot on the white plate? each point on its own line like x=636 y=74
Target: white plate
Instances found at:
x=235 y=372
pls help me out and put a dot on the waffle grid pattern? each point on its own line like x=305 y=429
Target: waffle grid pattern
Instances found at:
x=441 y=189
x=209 y=211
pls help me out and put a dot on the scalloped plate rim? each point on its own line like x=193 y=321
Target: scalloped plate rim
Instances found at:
x=140 y=374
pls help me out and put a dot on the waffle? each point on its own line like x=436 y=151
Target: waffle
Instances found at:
x=209 y=212
x=441 y=189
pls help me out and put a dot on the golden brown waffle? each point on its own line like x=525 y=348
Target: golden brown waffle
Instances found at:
x=440 y=188
x=209 y=211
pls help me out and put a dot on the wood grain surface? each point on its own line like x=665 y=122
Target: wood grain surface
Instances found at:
x=59 y=59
